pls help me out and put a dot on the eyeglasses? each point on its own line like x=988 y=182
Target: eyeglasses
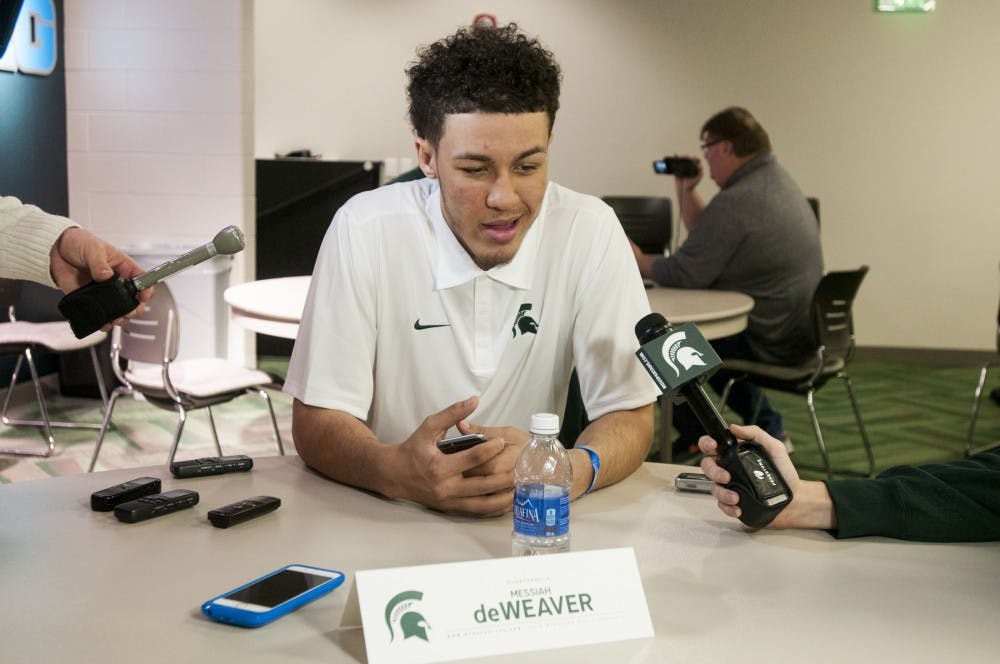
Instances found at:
x=707 y=144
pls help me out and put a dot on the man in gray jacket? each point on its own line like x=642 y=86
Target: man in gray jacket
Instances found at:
x=758 y=236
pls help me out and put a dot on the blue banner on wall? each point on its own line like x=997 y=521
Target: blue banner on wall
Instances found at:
x=33 y=109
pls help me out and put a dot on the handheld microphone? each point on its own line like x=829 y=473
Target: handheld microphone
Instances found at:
x=94 y=305
x=680 y=360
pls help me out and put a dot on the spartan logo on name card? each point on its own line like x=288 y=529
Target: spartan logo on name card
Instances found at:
x=403 y=617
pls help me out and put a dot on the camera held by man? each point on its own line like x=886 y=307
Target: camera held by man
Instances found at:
x=681 y=167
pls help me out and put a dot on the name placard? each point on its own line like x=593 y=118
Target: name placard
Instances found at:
x=434 y=613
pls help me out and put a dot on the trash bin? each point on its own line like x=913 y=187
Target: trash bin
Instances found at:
x=198 y=291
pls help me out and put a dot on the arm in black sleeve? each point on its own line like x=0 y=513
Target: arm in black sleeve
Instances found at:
x=946 y=502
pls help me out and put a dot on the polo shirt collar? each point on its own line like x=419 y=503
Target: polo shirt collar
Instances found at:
x=753 y=164
x=454 y=265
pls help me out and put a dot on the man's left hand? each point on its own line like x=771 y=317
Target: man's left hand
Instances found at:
x=515 y=440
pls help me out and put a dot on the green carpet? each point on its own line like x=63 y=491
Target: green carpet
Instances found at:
x=914 y=414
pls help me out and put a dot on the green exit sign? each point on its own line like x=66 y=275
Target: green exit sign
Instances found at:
x=905 y=5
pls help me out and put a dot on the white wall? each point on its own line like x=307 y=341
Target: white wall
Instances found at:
x=888 y=119
x=160 y=133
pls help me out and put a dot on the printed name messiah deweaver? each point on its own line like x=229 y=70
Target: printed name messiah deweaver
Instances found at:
x=532 y=608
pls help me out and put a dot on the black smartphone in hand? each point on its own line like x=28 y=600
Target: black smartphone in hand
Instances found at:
x=459 y=443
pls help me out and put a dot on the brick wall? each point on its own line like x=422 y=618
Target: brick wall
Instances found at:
x=160 y=124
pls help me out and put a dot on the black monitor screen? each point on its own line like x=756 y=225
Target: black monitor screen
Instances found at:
x=296 y=201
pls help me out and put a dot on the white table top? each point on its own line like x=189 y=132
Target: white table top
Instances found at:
x=269 y=306
x=79 y=586
x=717 y=313
x=274 y=306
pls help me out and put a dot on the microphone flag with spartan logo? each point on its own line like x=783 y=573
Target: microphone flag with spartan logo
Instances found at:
x=679 y=356
x=402 y=613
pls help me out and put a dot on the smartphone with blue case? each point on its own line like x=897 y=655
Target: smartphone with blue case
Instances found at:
x=272 y=595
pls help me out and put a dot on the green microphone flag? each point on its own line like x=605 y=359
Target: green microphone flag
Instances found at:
x=677 y=358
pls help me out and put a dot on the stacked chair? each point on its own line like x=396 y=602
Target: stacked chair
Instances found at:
x=26 y=339
x=144 y=358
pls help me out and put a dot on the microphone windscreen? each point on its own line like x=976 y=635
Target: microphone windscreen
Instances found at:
x=650 y=326
x=229 y=240
x=94 y=305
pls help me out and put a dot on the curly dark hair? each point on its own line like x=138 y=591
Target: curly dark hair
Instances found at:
x=737 y=125
x=481 y=68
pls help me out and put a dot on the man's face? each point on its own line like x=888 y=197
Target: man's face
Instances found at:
x=493 y=170
x=721 y=160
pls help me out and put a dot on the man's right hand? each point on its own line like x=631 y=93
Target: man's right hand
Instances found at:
x=78 y=257
x=689 y=183
x=427 y=476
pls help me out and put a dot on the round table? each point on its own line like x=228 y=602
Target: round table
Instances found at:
x=716 y=313
x=269 y=306
x=274 y=306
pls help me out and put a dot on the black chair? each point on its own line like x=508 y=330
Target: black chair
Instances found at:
x=415 y=173
x=24 y=339
x=971 y=437
x=647 y=220
x=575 y=418
x=833 y=328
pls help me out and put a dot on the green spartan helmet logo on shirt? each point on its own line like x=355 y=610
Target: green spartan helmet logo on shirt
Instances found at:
x=523 y=322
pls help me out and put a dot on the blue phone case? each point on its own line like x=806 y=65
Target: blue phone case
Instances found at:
x=237 y=616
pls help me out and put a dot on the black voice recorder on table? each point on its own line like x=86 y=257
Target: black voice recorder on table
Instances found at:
x=243 y=510
x=211 y=466
x=94 y=305
x=105 y=500
x=158 y=504
x=680 y=360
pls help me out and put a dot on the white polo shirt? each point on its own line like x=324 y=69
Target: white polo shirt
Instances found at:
x=400 y=322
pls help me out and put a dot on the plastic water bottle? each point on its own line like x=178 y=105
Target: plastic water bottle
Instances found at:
x=543 y=477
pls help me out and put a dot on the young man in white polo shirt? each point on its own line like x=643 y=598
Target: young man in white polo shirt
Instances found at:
x=465 y=300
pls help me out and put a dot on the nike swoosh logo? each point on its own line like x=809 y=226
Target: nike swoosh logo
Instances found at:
x=417 y=325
